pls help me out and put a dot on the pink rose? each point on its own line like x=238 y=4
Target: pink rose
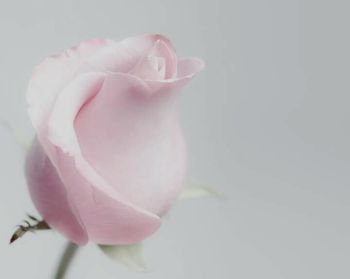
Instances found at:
x=109 y=155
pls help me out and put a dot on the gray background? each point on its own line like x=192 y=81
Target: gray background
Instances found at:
x=267 y=122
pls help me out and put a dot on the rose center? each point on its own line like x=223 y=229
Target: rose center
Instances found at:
x=157 y=63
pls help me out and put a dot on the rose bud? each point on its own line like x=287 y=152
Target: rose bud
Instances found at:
x=109 y=157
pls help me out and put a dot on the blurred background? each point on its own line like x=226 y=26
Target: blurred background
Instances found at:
x=267 y=124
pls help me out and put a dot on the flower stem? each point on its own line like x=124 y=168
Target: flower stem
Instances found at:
x=66 y=259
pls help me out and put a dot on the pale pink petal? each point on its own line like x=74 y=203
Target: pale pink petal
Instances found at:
x=150 y=67
x=68 y=103
x=125 y=55
x=53 y=74
x=187 y=68
x=131 y=136
x=163 y=50
x=50 y=196
x=109 y=218
x=159 y=63
x=106 y=220
x=41 y=196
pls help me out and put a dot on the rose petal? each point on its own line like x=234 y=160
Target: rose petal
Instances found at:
x=53 y=74
x=163 y=49
x=60 y=129
x=187 y=68
x=50 y=196
x=109 y=218
x=133 y=139
x=150 y=67
x=125 y=55
x=159 y=63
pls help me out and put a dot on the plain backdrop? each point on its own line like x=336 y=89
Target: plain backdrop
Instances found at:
x=267 y=124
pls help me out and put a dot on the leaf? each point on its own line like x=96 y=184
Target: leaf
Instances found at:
x=23 y=141
x=196 y=190
x=33 y=225
x=130 y=255
x=20 y=138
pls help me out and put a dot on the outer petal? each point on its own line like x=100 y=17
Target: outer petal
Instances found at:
x=53 y=74
x=131 y=136
x=49 y=195
x=88 y=83
x=108 y=217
